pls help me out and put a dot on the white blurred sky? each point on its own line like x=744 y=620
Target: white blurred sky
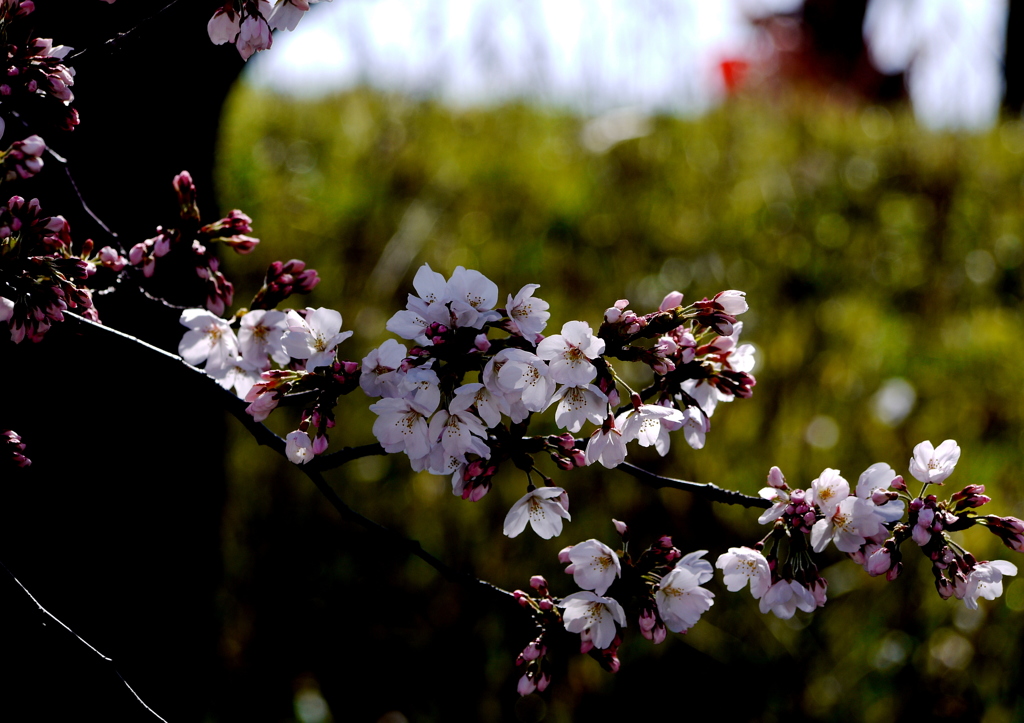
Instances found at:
x=597 y=55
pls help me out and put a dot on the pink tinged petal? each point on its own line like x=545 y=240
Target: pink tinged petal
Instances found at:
x=298 y=447
x=544 y=508
x=594 y=566
x=732 y=301
x=671 y=301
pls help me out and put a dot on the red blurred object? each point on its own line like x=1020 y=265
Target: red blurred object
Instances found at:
x=734 y=73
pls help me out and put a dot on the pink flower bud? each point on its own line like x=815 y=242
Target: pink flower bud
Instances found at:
x=879 y=562
x=526 y=685
x=537 y=582
x=543 y=682
x=563 y=554
x=647 y=620
x=894 y=572
x=620 y=527
x=532 y=651
x=481 y=342
x=546 y=605
x=660 y=633
x=672 y=300
x=776 y=479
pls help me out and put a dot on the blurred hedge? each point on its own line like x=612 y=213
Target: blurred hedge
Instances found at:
x=874 y=256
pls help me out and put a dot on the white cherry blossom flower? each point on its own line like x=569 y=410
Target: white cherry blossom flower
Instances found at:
x=732 y=301
x=298 y=447
x=254 y=32
x=472 y=296
x=401 y=426
x=741 y=565
x=238 y=373
x=570 y=352
x=316 y=337
x=828 y=490
x=594 y=566
x=261 y=335
x=607 y=446
x=695 y=563
x=851 y=522
x=379 y=377
x=681 y=601
x=588 y=613
x=528 y=314
x=409 y=324
x=785 y=597
x=489 y=406
x=578 y=404
x=460 y=432
x=648 y=426
x=223 y=27
x=879 y=477
x=524 y=377
x=422 y=386
x=986 y=580
x=544 y=508
x=934 y=464
x=208 y=339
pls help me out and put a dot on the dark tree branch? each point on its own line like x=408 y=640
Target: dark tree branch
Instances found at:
x=111 y=44
x=264 y=436
x=82 y=640
x=706 y=490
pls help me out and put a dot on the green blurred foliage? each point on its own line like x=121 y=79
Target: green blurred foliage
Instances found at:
x=870 y=252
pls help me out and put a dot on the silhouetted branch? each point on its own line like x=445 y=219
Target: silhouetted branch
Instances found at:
x=84 y=642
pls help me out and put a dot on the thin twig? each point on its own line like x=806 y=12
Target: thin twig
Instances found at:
x=83 y=641
x=112 y=42
x=707 y=490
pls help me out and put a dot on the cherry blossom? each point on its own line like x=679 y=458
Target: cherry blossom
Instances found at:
x=579 y=404
x=606 y=445
x=680 y=599
x=986 y=580
x=298 y=447
x=522 y=376
x=647 y=425
x=569 y=354
x=544 y=508
x=254 y=32
x=261 y=335
x=594 y=566
x=785 y=597
x=932 y=465
x=401 y=426
x=315 y=337
x=828 y=490
x=593 y=616
x=742 y=564
x=208 y=339
x=460 y=431
x=379 y=377
x=489 y=406
x=529 y=316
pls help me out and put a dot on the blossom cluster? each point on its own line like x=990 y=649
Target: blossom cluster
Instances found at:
x=867 y=524
x=247 y=24
x=35 y=80
x=193 y=239
x=458 y=402
x=40 y=275
x=661 y=591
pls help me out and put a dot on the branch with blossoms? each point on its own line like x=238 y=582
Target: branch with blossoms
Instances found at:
x=475 y=386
